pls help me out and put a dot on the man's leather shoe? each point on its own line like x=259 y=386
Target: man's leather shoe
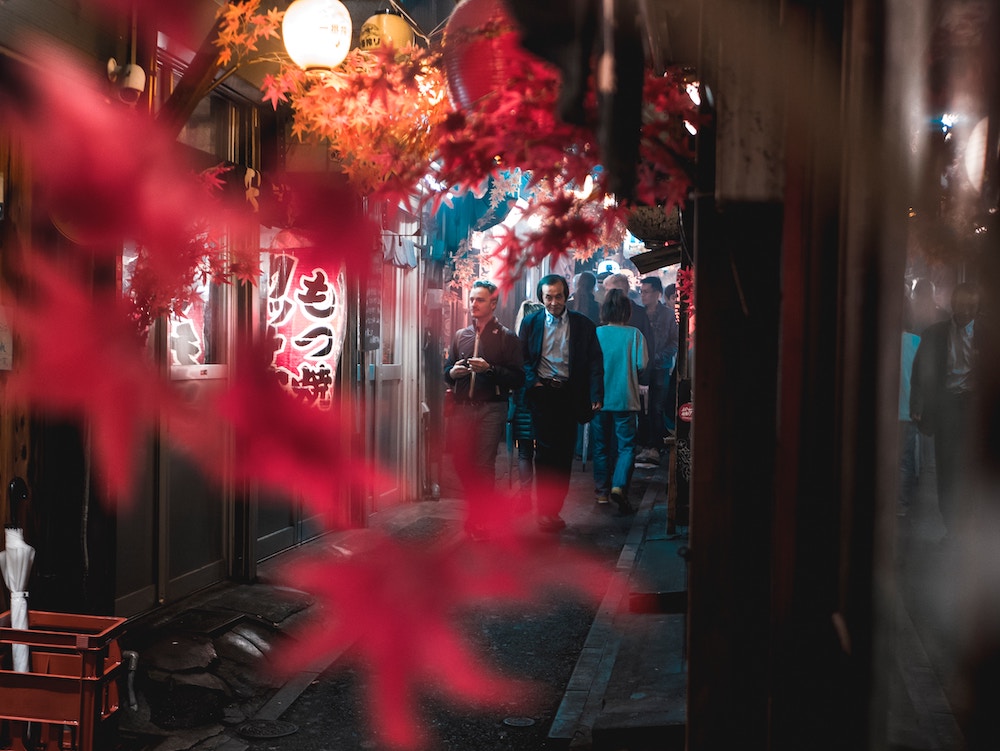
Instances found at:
x=551 y=523
x=618 y=497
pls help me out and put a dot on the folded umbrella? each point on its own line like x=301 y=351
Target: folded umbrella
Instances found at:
x=15 y=565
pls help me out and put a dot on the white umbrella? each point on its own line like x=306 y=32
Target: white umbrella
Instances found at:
x=15 y=564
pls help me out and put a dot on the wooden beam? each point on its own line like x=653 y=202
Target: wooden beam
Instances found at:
x=193 y=87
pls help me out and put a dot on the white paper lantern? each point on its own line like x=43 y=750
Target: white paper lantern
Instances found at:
x=317 y=33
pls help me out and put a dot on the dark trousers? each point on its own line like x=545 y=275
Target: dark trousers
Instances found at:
x=951 y=446
x=477 y=430
x=525 y=464
x=908 y=476
x=653 y=418
x=555 y=438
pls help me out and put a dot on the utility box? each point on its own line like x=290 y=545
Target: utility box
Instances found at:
x=71 y=690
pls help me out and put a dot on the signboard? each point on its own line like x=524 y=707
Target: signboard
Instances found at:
x=307 y=318
x=372 y=322
x=189 y=335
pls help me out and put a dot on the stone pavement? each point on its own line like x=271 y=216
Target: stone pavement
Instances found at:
x=629 y=688
x=202 y=679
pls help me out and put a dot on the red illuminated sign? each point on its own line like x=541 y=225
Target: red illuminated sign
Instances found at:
x=307 y=317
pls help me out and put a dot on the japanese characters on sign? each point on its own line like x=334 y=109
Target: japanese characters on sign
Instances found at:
x=307 y=320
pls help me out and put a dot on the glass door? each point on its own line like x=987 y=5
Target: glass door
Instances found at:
x=393 y=373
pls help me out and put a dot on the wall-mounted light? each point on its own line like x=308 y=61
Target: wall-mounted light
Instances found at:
x=317 y=33
x=386 y=27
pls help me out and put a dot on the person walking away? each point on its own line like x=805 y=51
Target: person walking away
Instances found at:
x=670 y=405
x=614 y=427
x=663 y=322
x=583 y=299
x=639 y=320
x=484 y=363
x=522 y=426
x=924 y=311
x=637 y=316
x=941 y=392
x=907 y=427
x=564 y=387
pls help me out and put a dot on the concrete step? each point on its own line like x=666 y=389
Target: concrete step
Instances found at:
x=659 y=578
x=645 y=700
x=629 y=689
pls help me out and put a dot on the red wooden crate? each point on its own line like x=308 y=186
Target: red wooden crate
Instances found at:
x=75 y=661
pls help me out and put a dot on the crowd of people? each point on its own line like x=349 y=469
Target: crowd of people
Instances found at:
x=597 y=357
x=588 y=357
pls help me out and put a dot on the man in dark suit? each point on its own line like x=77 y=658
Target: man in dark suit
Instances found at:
x=941 y=389
x=564 y=386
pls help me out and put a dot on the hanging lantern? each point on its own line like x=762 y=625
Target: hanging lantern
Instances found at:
x=386 y=27
x=660 y=231
x=654 y=225
x=317 y=33
x=477 y=63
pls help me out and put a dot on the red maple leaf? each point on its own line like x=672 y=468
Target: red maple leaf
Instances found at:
x=284 y=443
x=212 y=177
x=273 y=91
x=107 y=173
x=81 y=358
x=398 y=606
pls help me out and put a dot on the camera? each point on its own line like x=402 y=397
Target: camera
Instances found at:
x=130 y=79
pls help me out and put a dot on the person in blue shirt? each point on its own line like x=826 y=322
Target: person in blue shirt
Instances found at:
x=583 y=299
x=613 y=428
x=908 y=433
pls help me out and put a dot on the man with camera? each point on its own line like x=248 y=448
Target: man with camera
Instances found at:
x=484 y=364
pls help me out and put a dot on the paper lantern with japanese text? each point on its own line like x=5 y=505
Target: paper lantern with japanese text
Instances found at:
x=317 y=33
x=386 y=27
x=307 y=317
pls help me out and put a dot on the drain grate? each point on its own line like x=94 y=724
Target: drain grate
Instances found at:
x=519 y=722
x=266 y=729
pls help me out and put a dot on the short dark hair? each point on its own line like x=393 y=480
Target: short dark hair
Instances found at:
x=483 y=283
x=616 y=308
x=654 y=281
x=966 y=288
x=670 y=291
x=550 y=279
